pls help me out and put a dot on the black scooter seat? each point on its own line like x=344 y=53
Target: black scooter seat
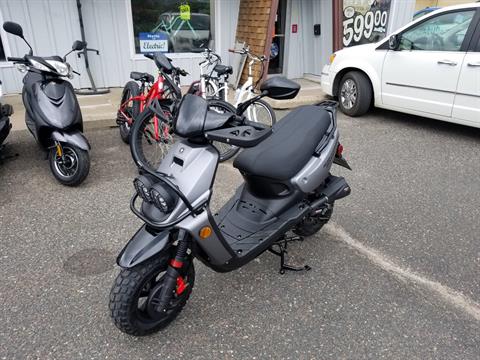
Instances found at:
x=288 y=149
x=139 y=76
x=223 y=69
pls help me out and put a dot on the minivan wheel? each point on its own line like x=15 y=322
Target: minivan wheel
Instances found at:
x=355 y=94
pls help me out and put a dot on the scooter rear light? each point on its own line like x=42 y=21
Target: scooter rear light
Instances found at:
x=339 y=149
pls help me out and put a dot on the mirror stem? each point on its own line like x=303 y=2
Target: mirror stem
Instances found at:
x=26 y=42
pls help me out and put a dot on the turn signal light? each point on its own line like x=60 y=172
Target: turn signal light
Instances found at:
x=332 y=57
x=205 y=232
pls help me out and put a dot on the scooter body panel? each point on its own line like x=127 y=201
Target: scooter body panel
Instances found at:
x=74 y=138
x=314 y=173
x=142 y=246
x=192 y=168
x=51 y=105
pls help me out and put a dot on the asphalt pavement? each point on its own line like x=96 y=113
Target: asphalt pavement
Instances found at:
x=395 y=274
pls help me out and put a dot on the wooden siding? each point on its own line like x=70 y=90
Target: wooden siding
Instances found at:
x=255 y=26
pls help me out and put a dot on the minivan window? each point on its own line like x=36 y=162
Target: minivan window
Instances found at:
x=444 y=32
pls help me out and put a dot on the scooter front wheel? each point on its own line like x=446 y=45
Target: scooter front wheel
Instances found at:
x=69 y=164
x=135 y=293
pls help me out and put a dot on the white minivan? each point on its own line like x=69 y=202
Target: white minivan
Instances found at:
x=430 y=67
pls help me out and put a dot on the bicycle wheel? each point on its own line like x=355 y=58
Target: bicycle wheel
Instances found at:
x=152 y=138
x=128 y=108
x=261 y=111
x=210 y=90
x=226 y=151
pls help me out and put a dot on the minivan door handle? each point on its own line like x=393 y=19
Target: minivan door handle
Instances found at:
x=474 y=64
x=447 y=62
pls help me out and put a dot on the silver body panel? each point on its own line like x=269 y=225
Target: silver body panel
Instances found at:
x=212 y=245
x=194 y=177
x=314 y=173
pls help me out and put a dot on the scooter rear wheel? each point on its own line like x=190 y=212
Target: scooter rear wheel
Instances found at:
x=312 y=224
x=72 y=167
x=136 y=289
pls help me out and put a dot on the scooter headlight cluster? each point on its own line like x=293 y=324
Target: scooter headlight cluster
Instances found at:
x=142 y=185
x=157 y=194
x=163 y=198
x=61 y=67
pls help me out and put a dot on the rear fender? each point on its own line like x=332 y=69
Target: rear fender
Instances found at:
x=76 y=138
x=142 y=246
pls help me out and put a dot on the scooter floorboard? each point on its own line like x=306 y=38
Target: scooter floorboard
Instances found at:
x=236 y=221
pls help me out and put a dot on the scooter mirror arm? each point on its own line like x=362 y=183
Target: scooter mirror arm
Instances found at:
x=26 y=42
x=65 y=56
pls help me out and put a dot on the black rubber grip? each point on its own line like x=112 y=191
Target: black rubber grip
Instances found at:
x=15 y=59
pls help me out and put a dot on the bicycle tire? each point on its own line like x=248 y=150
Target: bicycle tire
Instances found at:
x=130 y=90
x=269 y=110
x=143 y=133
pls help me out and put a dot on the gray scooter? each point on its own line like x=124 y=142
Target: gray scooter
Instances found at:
x=52 y=113
x=288 y=186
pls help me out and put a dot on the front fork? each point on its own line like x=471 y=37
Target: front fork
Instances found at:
x=174 y=283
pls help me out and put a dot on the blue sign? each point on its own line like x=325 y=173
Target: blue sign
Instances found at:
x=153 y=42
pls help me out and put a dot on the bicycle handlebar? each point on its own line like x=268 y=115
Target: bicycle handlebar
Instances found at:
x=246 y=51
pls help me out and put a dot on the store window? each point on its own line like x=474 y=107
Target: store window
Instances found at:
x=171 y=26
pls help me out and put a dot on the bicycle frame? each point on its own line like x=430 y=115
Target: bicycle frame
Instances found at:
x=246 y=92
x=155 y=91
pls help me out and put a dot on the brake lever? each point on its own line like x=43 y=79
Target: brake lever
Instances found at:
x=76 y=72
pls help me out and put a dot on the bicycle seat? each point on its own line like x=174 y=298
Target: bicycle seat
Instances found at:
x=223 y=69
x=292 y=143
x=135 y=75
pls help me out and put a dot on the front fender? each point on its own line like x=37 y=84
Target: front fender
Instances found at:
x=75 y=138
x=142 y=246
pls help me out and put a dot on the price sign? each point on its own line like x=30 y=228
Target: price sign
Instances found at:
x=185 y=12
x=364 y=21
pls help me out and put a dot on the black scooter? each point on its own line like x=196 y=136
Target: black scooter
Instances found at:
x=5 y=125
x=53 y=115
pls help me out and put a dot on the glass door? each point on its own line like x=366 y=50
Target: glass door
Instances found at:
x=278 y=40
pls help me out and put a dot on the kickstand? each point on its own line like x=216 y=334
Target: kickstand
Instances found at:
x=282 y=250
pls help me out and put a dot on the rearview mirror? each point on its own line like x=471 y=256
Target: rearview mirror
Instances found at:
x=79 y=45
x=280 y=88
x=394 y=42
x=13 y=28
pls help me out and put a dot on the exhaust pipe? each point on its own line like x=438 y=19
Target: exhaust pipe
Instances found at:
x=335 y=188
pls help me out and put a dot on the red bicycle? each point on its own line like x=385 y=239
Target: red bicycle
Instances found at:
x=136 y=98
x=155 y=135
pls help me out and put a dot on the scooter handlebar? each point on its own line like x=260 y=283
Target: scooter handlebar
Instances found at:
x=15 y=59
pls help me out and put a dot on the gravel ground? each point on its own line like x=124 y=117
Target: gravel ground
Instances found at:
x=415 y=196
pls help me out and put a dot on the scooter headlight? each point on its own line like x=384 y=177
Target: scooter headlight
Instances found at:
x=163 y=197
x=61 y=67
x=39 y=66
x=142 y=185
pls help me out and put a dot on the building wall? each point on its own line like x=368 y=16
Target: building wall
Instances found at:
x=306 y=53
x=401 y=13
x=422 y=4
x=254 y=19
x=52 y=25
